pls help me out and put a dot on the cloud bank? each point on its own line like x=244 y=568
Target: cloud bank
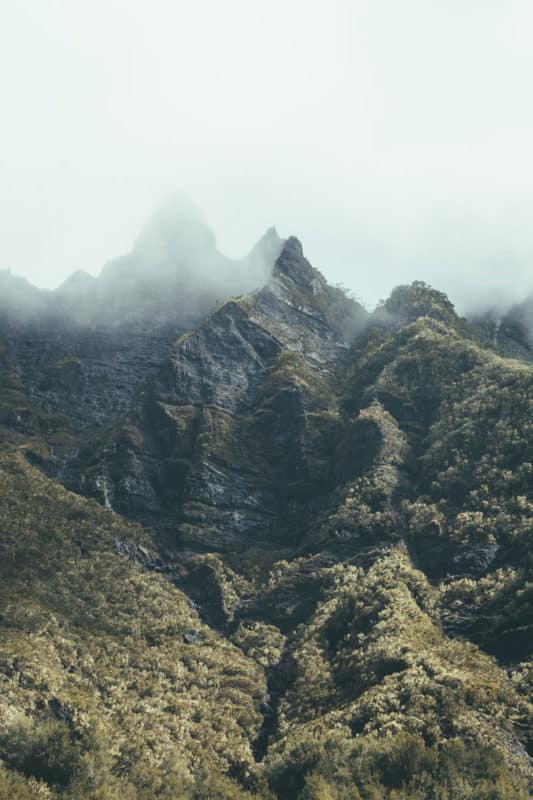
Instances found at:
x=394 y=139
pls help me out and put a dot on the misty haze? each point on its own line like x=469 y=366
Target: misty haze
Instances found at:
x=266 y=400
x=173 y=269
x=393 y=140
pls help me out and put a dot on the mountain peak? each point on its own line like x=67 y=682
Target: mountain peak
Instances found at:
x=18 y=295
x=79 y=281
x=264 y=253
x=293 y=265
x=418 y=299
x=177 y=229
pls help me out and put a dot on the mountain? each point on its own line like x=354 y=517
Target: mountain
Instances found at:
x=518 y=323
x=173 y=276
x=18 y=297
x=509 y=333
x=278 y=549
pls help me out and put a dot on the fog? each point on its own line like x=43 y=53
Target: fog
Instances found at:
x=172 y=277
x=394 y=139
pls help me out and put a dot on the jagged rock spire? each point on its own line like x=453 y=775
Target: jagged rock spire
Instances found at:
x=292 y=264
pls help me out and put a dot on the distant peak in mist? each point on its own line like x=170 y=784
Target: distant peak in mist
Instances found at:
x=176 y=228
x=177 y=248
x=174 y=274
x=18 y=293
x=270 y=239
x=265 y=251
x=79 y=281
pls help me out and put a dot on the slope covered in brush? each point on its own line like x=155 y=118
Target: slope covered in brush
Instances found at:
x=330 y=596
x=111 y=685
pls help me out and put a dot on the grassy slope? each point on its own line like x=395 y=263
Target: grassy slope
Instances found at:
x=453 y=474
x=96 y=640
x=384 y=696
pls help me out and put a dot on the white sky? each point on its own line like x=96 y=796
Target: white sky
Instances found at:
x=393 y=138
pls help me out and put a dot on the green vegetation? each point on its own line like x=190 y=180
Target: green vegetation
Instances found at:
x=97 y=680
x=382 y=704
x=397 y=768
x=418 y=299
x=372 y=641
x=290 y=370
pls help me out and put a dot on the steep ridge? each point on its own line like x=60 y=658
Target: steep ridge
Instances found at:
x=510 y=332
x=517 y=324
x=82 y=356
x=101 y=690
x=229 y=431
x=337 y=534
x=173 y=276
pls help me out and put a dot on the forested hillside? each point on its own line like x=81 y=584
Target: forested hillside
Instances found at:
x=285 y=553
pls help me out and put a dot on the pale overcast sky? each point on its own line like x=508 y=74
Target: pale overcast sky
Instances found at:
x=393 y=138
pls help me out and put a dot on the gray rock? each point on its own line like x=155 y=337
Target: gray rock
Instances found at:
x=193 y=637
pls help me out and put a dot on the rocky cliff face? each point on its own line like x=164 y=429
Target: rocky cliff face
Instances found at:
x=232 y=418
x=198 y=436
x=337 y=532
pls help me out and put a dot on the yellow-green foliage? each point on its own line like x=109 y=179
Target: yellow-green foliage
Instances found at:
x=94 y=637
x=375 y=663
x=288 y=369
x=260 y=641
x=478 y=407
x=212 y=574
x=398 y=767
x=411 y=370
x=14 y=786
x=495 y=611
x=372 y=685
x=481 y=447
x=418 y=299
x=468 y=416
x=365 y=511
